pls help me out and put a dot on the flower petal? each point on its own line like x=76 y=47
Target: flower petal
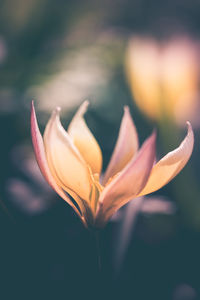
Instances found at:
x=128 y=184
x=170 y=165
x=143 y=73
x=64 y=159
x=126 y=146
x=40 y=154
x=84 y=140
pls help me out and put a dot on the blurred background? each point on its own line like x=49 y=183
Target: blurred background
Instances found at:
x=140 y=53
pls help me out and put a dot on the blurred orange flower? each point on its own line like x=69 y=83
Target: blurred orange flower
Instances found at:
x=163 y=77
x=71 y=162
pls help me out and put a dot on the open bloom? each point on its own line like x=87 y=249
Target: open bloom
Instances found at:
x=164 y=76
x=71 y=162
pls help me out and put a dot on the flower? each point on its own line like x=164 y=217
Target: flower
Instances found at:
x=163 y=77
x=71 y=162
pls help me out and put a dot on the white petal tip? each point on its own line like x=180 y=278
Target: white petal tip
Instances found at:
x=84 y=107
x=32 y=106
x=58 y=109
x=56 y=112
x=189 y=128
x=189 y=125
x=126 y=109
x=86 y=102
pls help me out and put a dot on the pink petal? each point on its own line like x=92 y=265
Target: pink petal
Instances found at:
x=128 y=183
x=126 y=146
x=170 y=165
x=42 y=160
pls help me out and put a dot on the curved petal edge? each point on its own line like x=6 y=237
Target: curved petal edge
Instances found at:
x=170 y=165
x=40 y=154
x=125 y=148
